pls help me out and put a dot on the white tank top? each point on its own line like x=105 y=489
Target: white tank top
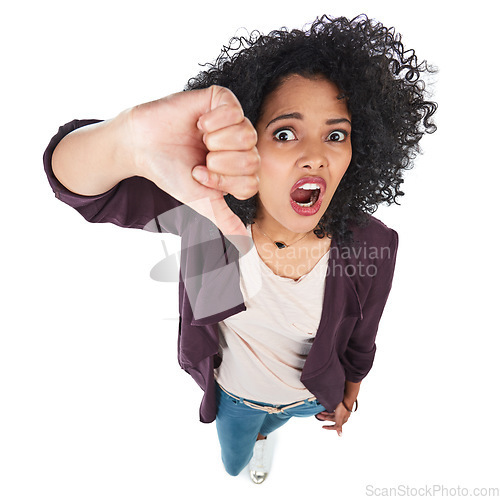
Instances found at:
x=264 y=348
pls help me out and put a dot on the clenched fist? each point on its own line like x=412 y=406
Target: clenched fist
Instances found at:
x=197 y=146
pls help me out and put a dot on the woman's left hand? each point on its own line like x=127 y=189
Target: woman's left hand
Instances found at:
x=340 y=416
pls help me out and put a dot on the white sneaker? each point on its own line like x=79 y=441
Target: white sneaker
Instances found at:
x=261 y=461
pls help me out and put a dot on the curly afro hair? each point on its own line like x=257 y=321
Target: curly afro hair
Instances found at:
x=385 y=94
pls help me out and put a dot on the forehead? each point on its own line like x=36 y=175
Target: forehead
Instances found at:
x=305 y=95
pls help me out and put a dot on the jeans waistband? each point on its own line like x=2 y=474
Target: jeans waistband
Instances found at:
x=268 y=409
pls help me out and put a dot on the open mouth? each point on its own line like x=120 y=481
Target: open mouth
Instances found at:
x=307 y=194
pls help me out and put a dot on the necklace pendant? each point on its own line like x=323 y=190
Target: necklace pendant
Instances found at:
x=280 y=244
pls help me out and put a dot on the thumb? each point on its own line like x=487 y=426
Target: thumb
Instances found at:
x=217 y=108
x=217 y=210
x=211 y=109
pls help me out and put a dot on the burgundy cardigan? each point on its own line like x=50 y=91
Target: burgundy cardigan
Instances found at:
x=357 y=285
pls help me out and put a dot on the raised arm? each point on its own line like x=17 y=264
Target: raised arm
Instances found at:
x=167 y=142
x=94 y=158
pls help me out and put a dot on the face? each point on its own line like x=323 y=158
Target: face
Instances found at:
x=305 y=147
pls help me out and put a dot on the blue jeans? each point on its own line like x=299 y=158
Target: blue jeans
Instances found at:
x=239 y=425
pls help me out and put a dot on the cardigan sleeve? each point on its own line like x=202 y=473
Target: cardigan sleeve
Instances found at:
x=360 y=353
x=135 y=202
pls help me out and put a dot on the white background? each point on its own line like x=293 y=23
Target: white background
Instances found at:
x=93 y=402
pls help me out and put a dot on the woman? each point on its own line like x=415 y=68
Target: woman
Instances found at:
x=268 y=166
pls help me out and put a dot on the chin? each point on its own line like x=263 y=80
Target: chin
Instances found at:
x=302 y=224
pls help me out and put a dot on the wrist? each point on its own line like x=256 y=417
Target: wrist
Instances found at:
x=350 y=405
x=351 y=392
x=125 y=147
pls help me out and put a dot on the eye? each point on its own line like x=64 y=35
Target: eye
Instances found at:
x=338 y=136
x=284 y=135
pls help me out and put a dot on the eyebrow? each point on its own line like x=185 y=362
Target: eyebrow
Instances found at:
x=298 y=116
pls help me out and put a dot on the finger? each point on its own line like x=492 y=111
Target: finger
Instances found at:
x=233 y=162
x=221 y=117
x=326 y=416
x=329 y=427
x=240 y=137
x=221 y=96
x=241 y=186
x=202 y=102
x=335 y=427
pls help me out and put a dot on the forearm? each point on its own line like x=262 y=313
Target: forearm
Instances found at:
x=92 y=159
x=351 y=391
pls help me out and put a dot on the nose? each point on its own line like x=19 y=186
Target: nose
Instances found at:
x=312 y=156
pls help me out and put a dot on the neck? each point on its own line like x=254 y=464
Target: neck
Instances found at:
x=277 y=232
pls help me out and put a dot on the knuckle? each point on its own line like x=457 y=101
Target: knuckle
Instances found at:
x=235 y=113
x=224 y=91
x=255 y=186
x=255 y=159
x=249 y=165
x=247 y=140
x=248 y=135
x=250 y=187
